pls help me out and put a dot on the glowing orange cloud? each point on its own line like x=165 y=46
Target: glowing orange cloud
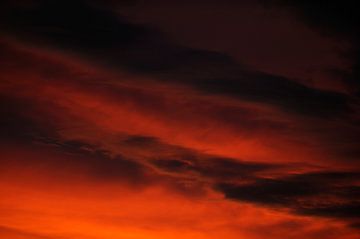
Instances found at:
x=45 y=203
x=48 y=191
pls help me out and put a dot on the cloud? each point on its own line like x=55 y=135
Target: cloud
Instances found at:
x=287 y=94
x=337 y=19
x=73 y=161
x=328 y=194
x=17 y=121
x=101 y=35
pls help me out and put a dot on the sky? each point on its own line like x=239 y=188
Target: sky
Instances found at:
x=175 y=119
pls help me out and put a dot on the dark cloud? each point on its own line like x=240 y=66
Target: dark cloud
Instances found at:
x=15 y=123
x=175 y=165
x=329 y=194
x=349 y=210
x=216 y=169
x=231 y=169
x=70 y=159
x=141 y=141
x=267 y=191
x=332 y=17
x=184 y=161
x=279 y=91
x=99 y=163
x=335 y=18
x=355 y=225
x=72 y=24
x=103 y=36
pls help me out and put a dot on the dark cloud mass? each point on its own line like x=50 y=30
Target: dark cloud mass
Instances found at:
x=321 y=194
x=337 y=19
x=106 y=37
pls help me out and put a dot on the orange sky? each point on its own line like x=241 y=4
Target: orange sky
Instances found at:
x=55 y=201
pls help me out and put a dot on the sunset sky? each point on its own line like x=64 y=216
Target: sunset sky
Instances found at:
x=169 y=119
